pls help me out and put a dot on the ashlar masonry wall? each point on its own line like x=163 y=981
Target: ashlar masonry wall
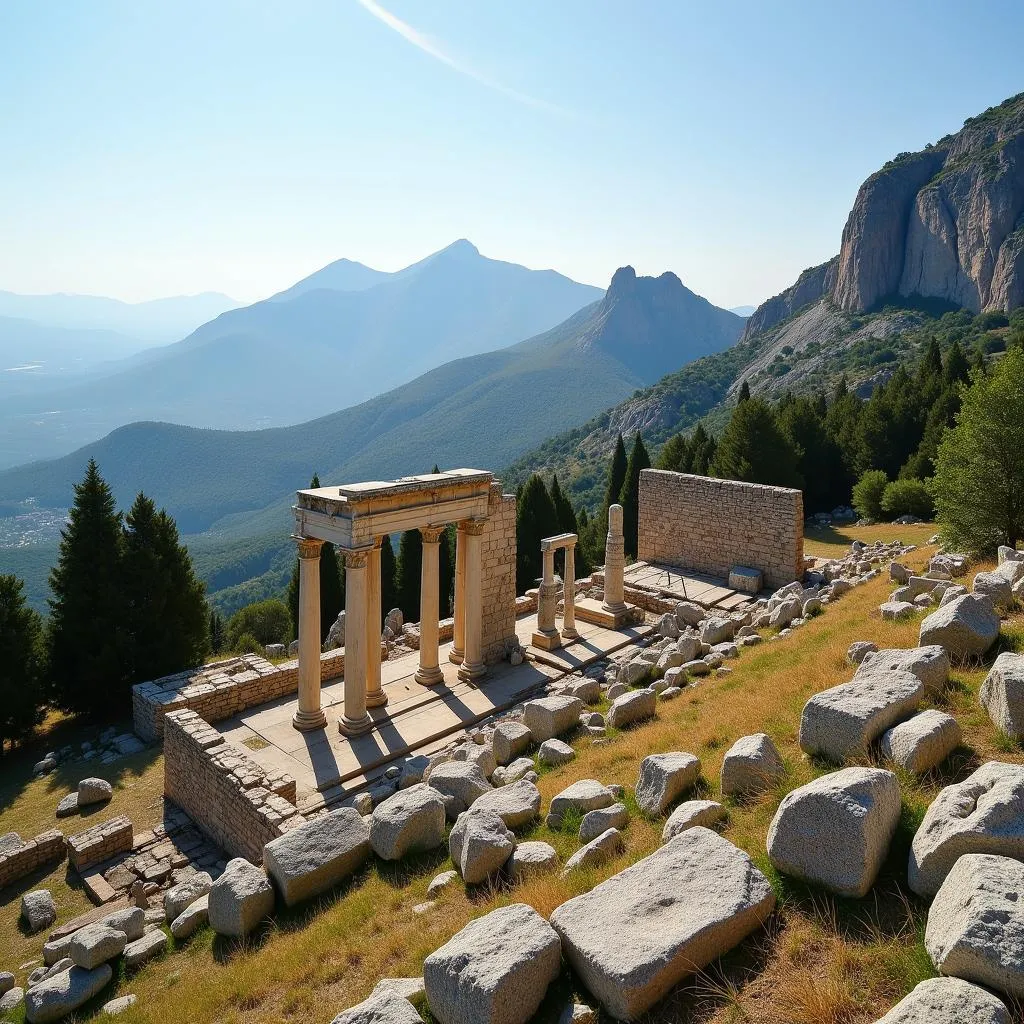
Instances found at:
x=18 y=858
x=498 y=555
x=711 y=525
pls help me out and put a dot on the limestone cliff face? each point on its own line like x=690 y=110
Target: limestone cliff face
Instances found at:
x=810 y=286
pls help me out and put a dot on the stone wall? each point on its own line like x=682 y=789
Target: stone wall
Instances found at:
x=222 y=689
x=100 y=842
x=17 y=861
x=230 y=797
x=498 y=556
x=710 y=525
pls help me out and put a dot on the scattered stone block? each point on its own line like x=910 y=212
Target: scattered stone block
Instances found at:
x=38 y=910
x=410 y=989
x=548 y=717
x=835 y=831
x=497 y=969
x=460 y=783
x=12 y=1000
x=64 y=993
x=1002 y=694
x=585 y=795
x=520 y=768
x=691 y=814
x=141 y=950
x=633 y=707
x=531 y=858
x=688 y=614
x=597 y=822
x=67 y=806
x=6 y=982
x=893 y=611
x=662 y=778
x=745 y=579
x=966 y=627
x=717 y=630
x=510 y=739
x=385 y=1006
x=480 y=844
x=96 y=944
x=94 y=791
x=517 y=804
x=441 y=882
x=115 y=1006
x=240 y=899
x=947 y=1001
x=180 y=897
x=410 y=821
x=634 y=937
x=930 y=664
x=555 y=752
x=195 y=916
x=751 y=765
x=996 y=585
x=922 y=742
x=607 y=845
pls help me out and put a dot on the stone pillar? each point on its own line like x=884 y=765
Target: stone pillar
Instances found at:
x=458 y=650
x=472 y=666
x=569 y=631
x=546 y=635
x=614 y=562
x=429 y=672
x=375 y=695
x=355 y=719
x=309 y=714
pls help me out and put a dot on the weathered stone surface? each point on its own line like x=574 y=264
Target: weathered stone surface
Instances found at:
x=846 y=719
x=585 y=795
x=6 y=982
x=996 y=585
x=496 y=970
x=115 y=1006
x=67 y=806
x=662 y=778
x=922 y=742
x=317 y=855
x=63 y=993
x=1002 y=694
x=555 y=752
x=95 y=944
x=975 y=927
x=441 y=882
x=690 y=814
x=859 y=650
x=460 y=783
x=717 y=631
x=636 y=706
x=966 y=627
x=982 y=814
x=532 y=858
x=893 y=611
x=480 y=844
x=240 y=899
x=607 y=845
x=410 y=821
x=510 y=739
x=751 y=765
x=180 y=897
x=667 y=626
x=947 y=1001
x=38 y=910
x=130 y=920
x=410 y=989
x=637 y=935
x=12 y=999
x=195 y=916
x=94 y=791
x=547 y=717
x=688 y=614
x=930 y=664
x=597 y=822
x=517 y=804
x=835 y=831
x=385 y=1006
x=141 y=950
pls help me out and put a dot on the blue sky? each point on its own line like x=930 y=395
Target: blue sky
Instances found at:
x=151 y=149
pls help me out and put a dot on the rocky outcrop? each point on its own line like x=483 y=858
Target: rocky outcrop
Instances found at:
x=813 y=284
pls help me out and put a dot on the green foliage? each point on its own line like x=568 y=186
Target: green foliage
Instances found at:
x=979 y=473
x=753 y=448
x=22 y=671
x=446 y=571
x=907 y=497
x=246 y=643
x=407 y=575
x=536 y=518
x=629 y=497
x=616 y=473
x=218 y=632
x=867 y=494
x=819 y=461
x=267 y=622
x=388 y=581
x=691 y=453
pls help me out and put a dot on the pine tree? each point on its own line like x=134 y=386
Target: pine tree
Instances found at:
x=536 y=518
x=744 y=394
x=407 y=575
x=702 y=451
x=629 y=499
x=388 y=582
x=564 y=511
x=752 y=448
x=218 y=632
x=86 y=629
x=21 y=664
x=332 y=586
x=616 y=473
x=675 y=454
x=819 y=461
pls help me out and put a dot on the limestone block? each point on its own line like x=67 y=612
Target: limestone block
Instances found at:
x=785 y=612
x=6 y=982
x=11 y=1000
x=717 y=631
x=317 y=855
x=947 y=1001
x=496 y=970
x=632 y=707
x=410 y=821
x=95 y=944
x=893 y=611
x=751 y=765
x=141 y=950
x=691 y=814
x=667 y=626
x=835 y=831
x=94 y=791
x=587 y=690
x=195 y=916
x=240 y=899
x=480 y=844
x=996 y=585
x=384 y=1006
x=634 y=937
x=482 y=755
x=922 y=742
x=746 y=579
x=583 y=796
x=548 y=717
x=64 y=993
x=510 y=739
x=131 y=921
x=966 y=627
x=67 y=806
x=113 y=1007
x=688 y=647
x=531 y=858
x=1002 y=694
x=688 y=614
x=595 y=853
x=930 y=664
x=38 y=910
x=460 y=783
x=598 y=821
x=517 y=804
x=662 y=778
x=180 y=897
x=520 y=768
x=982 y=814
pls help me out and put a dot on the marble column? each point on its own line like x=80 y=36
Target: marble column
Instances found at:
x=472 y=667
x=458 y=649
x=569 y=631
x=309 y=714
x=546 y=635
x=429 y=672
x=614 y=562
x=355 y=719
x=375 y=695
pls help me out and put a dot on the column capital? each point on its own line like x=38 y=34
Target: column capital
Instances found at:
x=356 y=559
x=474 y=527
x=431 y=534
x=309 y=547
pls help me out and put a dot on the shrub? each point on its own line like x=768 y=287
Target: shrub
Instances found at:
x=247 y=644
x=267 y=622
x=867 y=494
x=908 y=497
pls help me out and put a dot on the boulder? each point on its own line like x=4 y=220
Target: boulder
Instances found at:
x=96 y=944
x=587 y=690
x=717 y=631
x=195 y=916
x=441 y=882
x=547 y=717
x=509 y=740
x=240 y=899
x=691 y=814
x=982 y=814
x=930 y=664
x=995 y=585
x=555 y=752
x=130 y=920
x=751 y=765
x=585 y=795
x=459 y=783
x=975 y=927
x=115 y=1006
x=410 y=821
x=316 y=855
x=7 y=981
x=67 y=806
x=632 y=707
x=688 y=647
x=64 y=993
x=11 y=1000
x=688 y=614
x=634 y=937
x=667 y=626
x=94 y=791
x=532 y=858
x=1002 y=694
x=835 y=831
x=517 y=804
x=180 y=897
x=384 y=1006
x=947 y=1001
x=844 y=720
x=951 y=593
x=922 y=742
x=141 y=950
x=966 y=627
x=893 y=611
x=480 y=844
x=662 y=778
x=495 y=970
x=482 y=755
x=520 y=768
x=607 y=845
x=38 y=910
x=597 y=822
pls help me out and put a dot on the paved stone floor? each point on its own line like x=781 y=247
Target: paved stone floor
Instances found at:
x=684 y=585
x=327 y=765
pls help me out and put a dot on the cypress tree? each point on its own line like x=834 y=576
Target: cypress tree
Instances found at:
x=744 y=393
x=702 y=451
x=447 y=571
x=675 y=454
x=616 y=473
x=388 y=583
x=536 y=518
x=86 y=631
x=564 y=512
x=752 y=448
x=21 y=663
x=407 y=575
x=218 y=632
x=629 y=499
x=332 y=586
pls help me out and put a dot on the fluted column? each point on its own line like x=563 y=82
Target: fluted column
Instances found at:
x=614 y=562
x=309 y=714
x=375 y=695
x=355 y=719
x=429 y=672
x=569 y=593
x=458 y=651
x=472 y=666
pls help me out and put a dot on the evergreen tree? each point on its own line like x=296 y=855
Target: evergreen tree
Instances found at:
x=819 y=461
x=616 y=473
x=629 y=499
x=218 y=632
x=86 y=634
x=536 y=518
x=407 y=575
x=564 y=511
x=675 y=454
x=21 y=664
x=447 y=571
x=752 y=448
x=332 y=586
x=842 y=421
x=957 y=370
x=744 y=394
x=388 y=581
x=165 y=620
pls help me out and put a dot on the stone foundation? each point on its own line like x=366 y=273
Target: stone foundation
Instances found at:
x=711 y=526
x=46 y=848
x=230 y=797
x=498 y=586
x=100 y=843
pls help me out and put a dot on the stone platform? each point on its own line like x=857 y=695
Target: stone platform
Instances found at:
x=684 y=585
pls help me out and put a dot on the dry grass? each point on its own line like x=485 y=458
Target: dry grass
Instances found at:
x=821 y=960
x=834 y=541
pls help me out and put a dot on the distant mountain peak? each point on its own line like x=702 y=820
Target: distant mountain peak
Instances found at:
x=460 y=245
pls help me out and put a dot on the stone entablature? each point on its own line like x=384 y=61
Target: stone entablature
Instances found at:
x=232 y=799
x=711 y=525
x=100 y=842
x=17 y=861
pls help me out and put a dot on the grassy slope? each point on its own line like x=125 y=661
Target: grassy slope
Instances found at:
x=820 y=960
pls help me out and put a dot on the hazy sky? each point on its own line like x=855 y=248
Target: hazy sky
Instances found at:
x=157 y=148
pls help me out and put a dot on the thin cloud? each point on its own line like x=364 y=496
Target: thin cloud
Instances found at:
x=422 y=42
